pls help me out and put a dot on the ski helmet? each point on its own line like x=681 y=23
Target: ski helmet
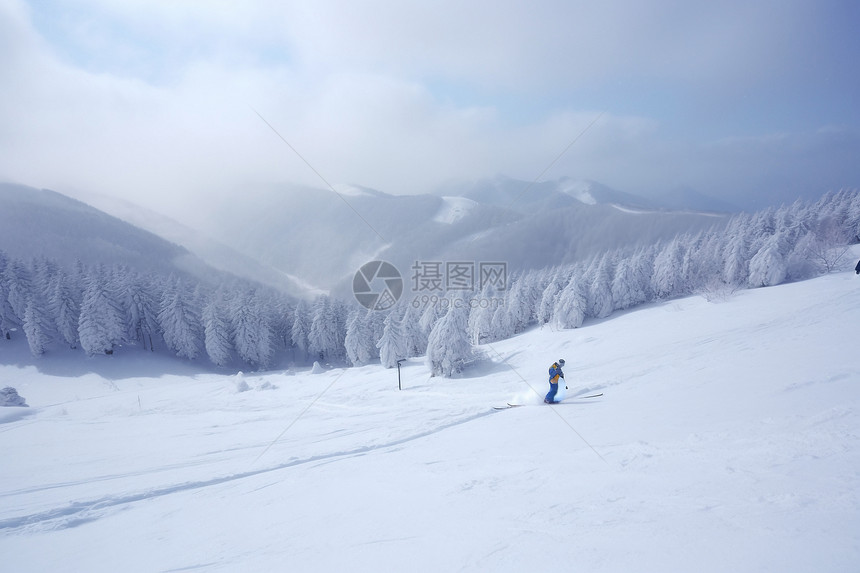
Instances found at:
x=561 y=361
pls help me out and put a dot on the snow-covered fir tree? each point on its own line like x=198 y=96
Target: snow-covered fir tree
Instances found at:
x=768 y=265
x=100 y=325
x=300 y=329
x=65 y=309
x=416 y=337
x=481 y=317
x=599 y=280
x=252 y=334
x=558 y=278
x=571 y=304
x=141 y=296
x=359 y=340
x=392 y=345
x=179 y=321
x=668 y=279
x=37 y=326
x=7 y=323
x=448 y=347
x=626 y=290
x=328 y=330
x=217 y=332
x=18 y=289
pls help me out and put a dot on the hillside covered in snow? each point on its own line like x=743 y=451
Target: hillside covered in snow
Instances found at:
x=441 y=309
x=725 y=439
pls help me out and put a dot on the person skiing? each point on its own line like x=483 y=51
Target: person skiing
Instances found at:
x=857 y=268
x=555 y=376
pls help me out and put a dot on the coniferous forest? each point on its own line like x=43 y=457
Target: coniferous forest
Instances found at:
x=104 y=309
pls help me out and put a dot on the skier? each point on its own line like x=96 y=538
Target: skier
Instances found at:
x=857 y=268
x=555 y=375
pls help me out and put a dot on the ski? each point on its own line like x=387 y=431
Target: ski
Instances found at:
x=509 y=406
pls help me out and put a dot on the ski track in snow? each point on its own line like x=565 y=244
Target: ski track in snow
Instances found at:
x=80 y=512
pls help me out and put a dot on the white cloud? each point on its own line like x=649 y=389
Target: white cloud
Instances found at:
x=155 y=100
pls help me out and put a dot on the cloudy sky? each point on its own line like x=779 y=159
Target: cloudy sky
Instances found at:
x=157 y=101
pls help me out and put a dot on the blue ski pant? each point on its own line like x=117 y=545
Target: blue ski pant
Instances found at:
x=553 y=390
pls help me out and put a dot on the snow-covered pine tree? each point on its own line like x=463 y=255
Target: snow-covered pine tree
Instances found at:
x=179 y=321
x=517 y=300
x=571 y=304
x=736 y=260
x=448 y=347
x=37 y=326
x=252 y=336
x=502 y=323
x=416 y=337
x=65 y=309
x=324 y=341
x=393 y=345
x=430 y=314
x=217 y=334
x=549 y=296
x=141 y=306
x=359 y=342
x=768 y=266
x=800 y=263
x=668 y=279
x=625 y=291
x=853 y=219
x=100 y=325
x=481 y=317
x=6 y=321
x=300 y=328
x=19 y=288
x=599 y=281
x=281 y=321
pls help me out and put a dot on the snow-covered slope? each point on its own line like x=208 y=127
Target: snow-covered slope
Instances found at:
x=43 y=223
x=453 y=209
x=37 y=223
x=725 y=440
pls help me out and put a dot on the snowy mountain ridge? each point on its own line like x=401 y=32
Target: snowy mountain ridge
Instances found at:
x=282 y=236
x=291 y=228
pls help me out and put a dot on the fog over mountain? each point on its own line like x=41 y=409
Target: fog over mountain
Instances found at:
x=43 y=223
x=304 y=240
x=324 y=236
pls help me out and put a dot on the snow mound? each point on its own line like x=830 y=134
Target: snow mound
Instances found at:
x=240 y=383
x=317 y=368
x=9 y=397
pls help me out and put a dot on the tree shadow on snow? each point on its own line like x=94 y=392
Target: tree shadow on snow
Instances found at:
x=126 y=362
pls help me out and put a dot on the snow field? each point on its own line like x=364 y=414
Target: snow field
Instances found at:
x=726 y=440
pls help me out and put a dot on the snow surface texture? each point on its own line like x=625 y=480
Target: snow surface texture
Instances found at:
x=453 y=209
x=726 y=440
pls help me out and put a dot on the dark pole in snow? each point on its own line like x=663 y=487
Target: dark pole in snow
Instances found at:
x=399 y=387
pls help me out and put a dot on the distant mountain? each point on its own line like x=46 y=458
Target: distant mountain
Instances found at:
x=516 y=194
x=325 y=236
x=307 y=240
x=211 y=251
x=44 y=223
